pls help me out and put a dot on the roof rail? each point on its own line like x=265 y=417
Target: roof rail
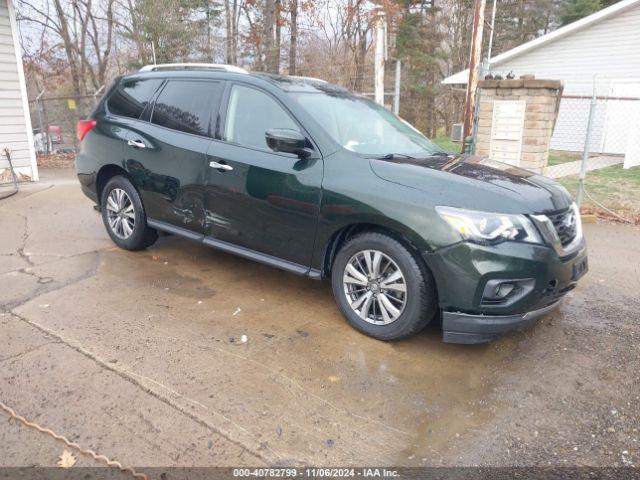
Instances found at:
x=192 y=66
x=299 y=77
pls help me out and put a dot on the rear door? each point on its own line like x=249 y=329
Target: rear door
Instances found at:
x=166 y=151
x=124 y=105
x=261 y=200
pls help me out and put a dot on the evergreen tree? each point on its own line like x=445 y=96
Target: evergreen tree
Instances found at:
x=419 y=46
x=574 y=10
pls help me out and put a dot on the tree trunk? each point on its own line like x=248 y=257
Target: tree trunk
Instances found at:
x=293 y=45
x=228 y=22
x=235 y=16
x=275 y=57
x=63 y=31
x=268 y=34
x=360 y=59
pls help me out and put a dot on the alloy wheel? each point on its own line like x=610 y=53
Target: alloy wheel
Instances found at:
x=375 y=287
x=120 y=213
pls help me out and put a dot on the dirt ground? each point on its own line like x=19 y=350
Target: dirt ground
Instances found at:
x=138 y=356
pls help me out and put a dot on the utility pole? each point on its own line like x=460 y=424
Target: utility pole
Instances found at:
x=396 y=89
x=474 y=67
x=379 y=59
x=493 y=24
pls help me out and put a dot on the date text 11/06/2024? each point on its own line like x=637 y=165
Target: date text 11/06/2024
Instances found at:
x=310 y=472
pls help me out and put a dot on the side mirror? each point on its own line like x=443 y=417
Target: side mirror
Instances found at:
x=288 y=141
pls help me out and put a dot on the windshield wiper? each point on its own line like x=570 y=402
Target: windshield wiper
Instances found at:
x=391 y=156
x=441 y=154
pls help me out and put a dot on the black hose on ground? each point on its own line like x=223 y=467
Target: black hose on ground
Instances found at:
x=14 y=177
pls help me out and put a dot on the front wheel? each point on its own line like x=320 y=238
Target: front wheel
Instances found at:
x=382 y=288
x=124 y=217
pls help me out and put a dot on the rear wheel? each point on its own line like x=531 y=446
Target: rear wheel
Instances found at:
x=124 y=217
x=382 y=288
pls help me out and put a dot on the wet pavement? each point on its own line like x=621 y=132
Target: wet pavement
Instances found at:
x=138 y=355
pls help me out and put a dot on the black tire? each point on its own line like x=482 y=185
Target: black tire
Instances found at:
x=421 y=298
x=142 y=236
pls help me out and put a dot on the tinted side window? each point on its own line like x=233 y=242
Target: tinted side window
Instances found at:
x=131 y=96
x=250 y=114
x=186 y=106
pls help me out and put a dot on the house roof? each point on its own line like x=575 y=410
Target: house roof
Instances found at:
x=463 y=76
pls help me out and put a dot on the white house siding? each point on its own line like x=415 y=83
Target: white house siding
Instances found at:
x=607 y=52
x=15 y=122
x=609 y=49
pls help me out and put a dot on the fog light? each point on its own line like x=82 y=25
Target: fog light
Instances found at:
x=497 y=289
x=504 y=292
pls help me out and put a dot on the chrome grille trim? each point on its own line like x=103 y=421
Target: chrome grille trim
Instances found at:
x=563 y=235
x=565 y=225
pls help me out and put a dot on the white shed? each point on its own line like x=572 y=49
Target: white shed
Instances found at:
x=601 y=49
x=15 y=122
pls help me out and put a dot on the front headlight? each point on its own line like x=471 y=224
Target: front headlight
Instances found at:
x=489 y=228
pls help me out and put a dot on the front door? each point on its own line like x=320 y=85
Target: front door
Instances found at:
x=166 y=153
x=256 y=198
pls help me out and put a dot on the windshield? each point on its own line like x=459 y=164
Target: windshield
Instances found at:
x=365 y=127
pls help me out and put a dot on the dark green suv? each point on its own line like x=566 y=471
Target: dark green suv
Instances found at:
x=310 y=178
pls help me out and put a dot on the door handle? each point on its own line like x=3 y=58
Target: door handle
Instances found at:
x=136 y=144
x=220 y=166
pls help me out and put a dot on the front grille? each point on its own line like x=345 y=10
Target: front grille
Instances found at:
x=566 y=225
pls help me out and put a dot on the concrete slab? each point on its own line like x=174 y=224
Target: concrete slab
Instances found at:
x=573 y=168
x=95 y=406
x=137 y=355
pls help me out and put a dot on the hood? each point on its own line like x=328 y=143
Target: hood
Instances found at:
x=475 y=182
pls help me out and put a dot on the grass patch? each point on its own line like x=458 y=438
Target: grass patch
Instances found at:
x=444 y=141
x=614 y=187
x=558 y=157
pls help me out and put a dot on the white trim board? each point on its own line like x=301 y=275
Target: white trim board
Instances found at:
x=23 y=90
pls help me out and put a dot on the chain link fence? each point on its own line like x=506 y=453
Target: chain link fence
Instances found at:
x=595 y=147
x=54 y=120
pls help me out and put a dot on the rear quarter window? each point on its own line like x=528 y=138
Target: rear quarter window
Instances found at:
x=187 y=106
x=131 y=97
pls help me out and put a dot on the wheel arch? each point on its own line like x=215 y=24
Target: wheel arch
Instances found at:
x=106 y=173
x=341 y=235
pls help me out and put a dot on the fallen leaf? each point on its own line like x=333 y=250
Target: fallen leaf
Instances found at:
x=67 y=459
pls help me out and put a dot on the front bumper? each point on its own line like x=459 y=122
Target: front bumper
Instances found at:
x=460 y=327
x=463 y=271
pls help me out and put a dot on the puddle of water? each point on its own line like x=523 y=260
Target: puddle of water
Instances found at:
x=400 y=401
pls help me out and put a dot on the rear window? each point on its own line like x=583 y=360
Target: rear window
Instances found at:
x=131 y=97
x=187 y=105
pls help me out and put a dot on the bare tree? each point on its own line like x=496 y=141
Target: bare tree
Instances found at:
x=274 y=61
x=85 y=32
x=355 y=29
x=268 y=35
x=232 y=10
x=293 y=37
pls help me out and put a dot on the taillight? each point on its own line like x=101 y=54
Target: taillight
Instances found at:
x=83 y=127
